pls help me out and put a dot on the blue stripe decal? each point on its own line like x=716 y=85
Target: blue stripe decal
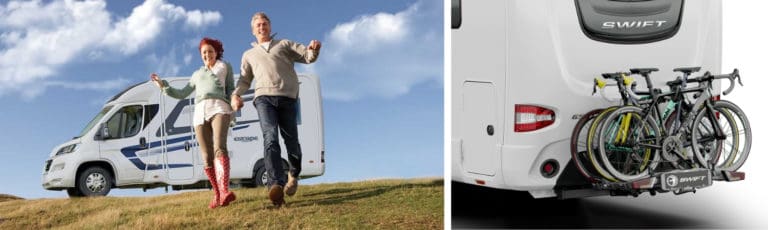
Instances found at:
x=162 y=166
x=178 y=147
x=246 y=122
x=130 y=151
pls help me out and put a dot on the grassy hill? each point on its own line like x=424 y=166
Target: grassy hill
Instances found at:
x=4 y=197
x=402 y=204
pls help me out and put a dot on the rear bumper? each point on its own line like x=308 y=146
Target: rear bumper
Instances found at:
x=517 y=170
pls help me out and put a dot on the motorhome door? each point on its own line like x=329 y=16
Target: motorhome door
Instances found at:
x=122 y=137
x=180 y=150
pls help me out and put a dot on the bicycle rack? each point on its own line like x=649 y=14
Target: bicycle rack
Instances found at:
x=729 y=176
x=654 y=184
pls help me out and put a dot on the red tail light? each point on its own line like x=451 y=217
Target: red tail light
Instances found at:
x=530 y=117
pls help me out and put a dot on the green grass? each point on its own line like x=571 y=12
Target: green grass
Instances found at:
x=379 y=204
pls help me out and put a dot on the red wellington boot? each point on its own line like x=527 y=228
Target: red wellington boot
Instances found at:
x=222 y=173
x=212 y=178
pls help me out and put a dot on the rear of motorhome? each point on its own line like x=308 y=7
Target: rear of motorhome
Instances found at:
x=523 y=70
x=142 y=138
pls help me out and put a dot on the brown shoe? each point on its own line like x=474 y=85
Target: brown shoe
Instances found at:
x=292 y=185
x=276 y=195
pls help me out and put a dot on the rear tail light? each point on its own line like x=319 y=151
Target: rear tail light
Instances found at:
x=530 y=117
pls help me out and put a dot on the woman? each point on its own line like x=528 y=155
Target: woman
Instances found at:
x=213 y=84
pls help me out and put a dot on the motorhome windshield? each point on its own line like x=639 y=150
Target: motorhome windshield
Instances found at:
x=94 y=121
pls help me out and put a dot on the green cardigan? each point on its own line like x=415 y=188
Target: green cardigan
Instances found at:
x=206 y=84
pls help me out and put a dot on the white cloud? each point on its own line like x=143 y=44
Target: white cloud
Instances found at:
x=37 y=39
x=187 y=59
x=167 y=65
x=43 y=37
x=383 y=54
x=196 y=19
x=98 y=86
x=106 y=85
x=381 y=27
x=147 y=21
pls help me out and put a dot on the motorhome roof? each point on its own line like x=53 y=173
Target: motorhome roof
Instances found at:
x=138 y=90
x=142 y=90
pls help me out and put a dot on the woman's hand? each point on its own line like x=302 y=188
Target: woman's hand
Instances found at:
x=236 y=102
x=156 y=79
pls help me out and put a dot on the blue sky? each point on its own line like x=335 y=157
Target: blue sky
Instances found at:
x=381 y=71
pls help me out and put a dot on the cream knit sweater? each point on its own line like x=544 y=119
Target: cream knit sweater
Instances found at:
x=273 y=68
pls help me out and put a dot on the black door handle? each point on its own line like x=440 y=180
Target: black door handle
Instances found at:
x=143 y=143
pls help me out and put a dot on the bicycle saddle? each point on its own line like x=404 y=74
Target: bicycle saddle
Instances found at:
x=617 y=75
x=687 y=70
x=643 y=71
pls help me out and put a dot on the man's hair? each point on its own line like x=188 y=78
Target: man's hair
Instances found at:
x=260 y=15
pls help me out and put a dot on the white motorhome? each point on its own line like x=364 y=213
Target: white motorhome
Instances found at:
x=144 y=139
x=523 y=70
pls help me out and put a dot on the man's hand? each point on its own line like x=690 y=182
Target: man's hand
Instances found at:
x=236 y=102
x=156 y=79
x=314 y=45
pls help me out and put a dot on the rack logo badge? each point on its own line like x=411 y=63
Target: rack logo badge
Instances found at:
x=692 y=179
x=632 y=24
x=672 y=181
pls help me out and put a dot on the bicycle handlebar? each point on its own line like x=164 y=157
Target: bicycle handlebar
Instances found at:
x=708 y=77
x=733 y=75
x=620 y=78
x=628 y=86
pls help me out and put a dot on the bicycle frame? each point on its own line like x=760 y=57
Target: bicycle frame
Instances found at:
x=686 y=127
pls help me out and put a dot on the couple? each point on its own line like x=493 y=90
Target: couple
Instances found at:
x=270 y=61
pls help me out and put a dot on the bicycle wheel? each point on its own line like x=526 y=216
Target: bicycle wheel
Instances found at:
x=579 y=145
x=730 y=153
x=593 y=145
x=628 y=143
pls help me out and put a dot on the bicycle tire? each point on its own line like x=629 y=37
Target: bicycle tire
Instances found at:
x=648 y=133
x=591 y=152
x=579 y=137
x=738 y=142
x=706 y=146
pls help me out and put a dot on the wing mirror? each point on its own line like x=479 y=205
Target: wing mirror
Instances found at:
x=103 y=133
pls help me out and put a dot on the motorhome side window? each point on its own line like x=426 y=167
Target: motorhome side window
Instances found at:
x=455 y=14
x=125 y=123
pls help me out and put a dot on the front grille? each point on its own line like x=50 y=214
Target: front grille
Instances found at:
x=48 y=165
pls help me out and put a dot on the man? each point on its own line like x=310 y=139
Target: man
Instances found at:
x=271 y=62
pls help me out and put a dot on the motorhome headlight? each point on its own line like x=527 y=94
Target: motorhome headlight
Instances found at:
x=67 y=149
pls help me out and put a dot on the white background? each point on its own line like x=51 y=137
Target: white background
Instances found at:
x=724 y=205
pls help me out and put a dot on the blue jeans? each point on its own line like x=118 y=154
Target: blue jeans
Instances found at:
x=277 y=112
